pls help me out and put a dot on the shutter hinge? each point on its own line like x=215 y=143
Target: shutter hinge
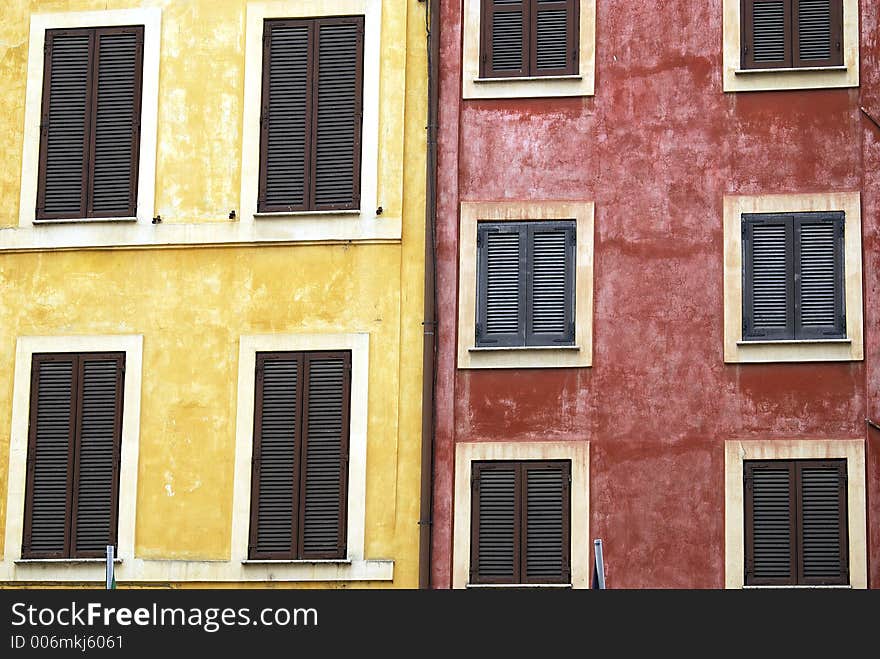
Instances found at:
x=572 y=238
x=477 y=329
x=571 y=328
x=474 y=479
x=840 y=229
x=479 y=239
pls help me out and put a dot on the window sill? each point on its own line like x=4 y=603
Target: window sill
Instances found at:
x=807 y=587
x=572 y=348
x=286 y=214
x=84 y=220
x=790 y=70
x=321 y=561
x=526 y=79
x=556 y=586
x=63 y=561
x=793 y=342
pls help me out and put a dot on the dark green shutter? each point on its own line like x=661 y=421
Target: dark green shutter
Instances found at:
x=495 y=527
x=550 y=293
x=324 y=488
x=770 y=533
x=823 y=522
x=554 y=37
x=819 y=32
x=768 y=277
x=504 y=35
x=501 y=284
x=547 y=523
x=819 y=281
x=275 y=456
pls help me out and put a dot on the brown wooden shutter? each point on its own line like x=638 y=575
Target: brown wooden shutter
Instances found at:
x=550 y=288
x=770 y=519
x=546 y=523
x=50 y=457
x=324 y=485
x=554 y=37
x=766 y=34
x=98 y=446
x=75 y=433
x=818 y=28
x=501 y=285
x=505 y=34
x=822 y=518
x=338 y=113
x=64 y=129
x=768 y=277
x=116 y=121
x=275 y=474
x=285 y=124
x=819 y=279
x=495 y=526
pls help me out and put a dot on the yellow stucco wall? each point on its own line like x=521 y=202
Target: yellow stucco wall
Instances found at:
x=192 y=304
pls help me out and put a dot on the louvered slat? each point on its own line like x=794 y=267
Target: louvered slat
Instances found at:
x=507 y=38
x=551 y=296
x=338 y=114
x=98 y=446
x=772 y=523
x=275 y=475
x=814 y=29
x=769 y=30
x=117 y=122
x=503 y=285
x=496 y=534
x=769 y=279
x=285 y=118
x=65 y=127
x=50 y=458
x=823 y=496
x=546 y=556
x=326 y=456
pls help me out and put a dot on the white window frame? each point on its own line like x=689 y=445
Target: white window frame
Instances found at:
x=151 y=19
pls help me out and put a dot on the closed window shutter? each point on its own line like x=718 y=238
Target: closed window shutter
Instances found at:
x=75 y=433
x=275 y=479
x=65 y=127
x=96 y=486
x=819 y=285
x=554 y=37
x=768 y=273
x=770 y=532
x=501 y=285
x=325 y=456
x=285 y=125
x=90 y=132
x=50 y=455
x=819 y=36
x=550 y=291
x=495 y=536
x=822 y=519
x=547 y=523
x=766 y=38
x=505 y=38
x=337 y=141
x=116 y=122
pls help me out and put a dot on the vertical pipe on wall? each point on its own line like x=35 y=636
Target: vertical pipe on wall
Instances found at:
x=429 y=322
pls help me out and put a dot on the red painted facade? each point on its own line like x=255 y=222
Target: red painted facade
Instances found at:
x=656 y=149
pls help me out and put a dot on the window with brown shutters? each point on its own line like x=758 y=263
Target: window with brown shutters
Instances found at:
x=792 y=33
x=529 y=38
x=90 y=123
x=526 y=280
x=311 y=116
x=520 y=522
x=300 y=456
x=796 y=522
x=793 y=276
x=74 y=445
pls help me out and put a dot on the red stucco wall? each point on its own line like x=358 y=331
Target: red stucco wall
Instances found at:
x=657 y=148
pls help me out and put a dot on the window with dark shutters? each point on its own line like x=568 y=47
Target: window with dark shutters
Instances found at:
x=793 y=276
x=796 y=522
x=529 y=38
x=300 y=455
x=90 y=123
x=792 y=33
x=310 y=126
x=74 y=446
x=526 y=279
x=520 y=522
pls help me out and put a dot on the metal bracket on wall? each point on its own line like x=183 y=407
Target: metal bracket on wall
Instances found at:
x=870 y=116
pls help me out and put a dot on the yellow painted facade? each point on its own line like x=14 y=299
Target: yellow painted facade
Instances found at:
x=192 y=300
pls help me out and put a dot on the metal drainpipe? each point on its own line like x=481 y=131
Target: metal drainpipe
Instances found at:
x=429 y=323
